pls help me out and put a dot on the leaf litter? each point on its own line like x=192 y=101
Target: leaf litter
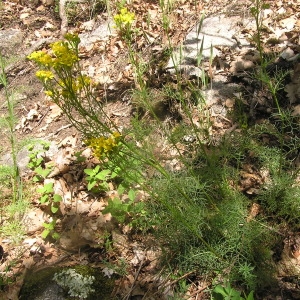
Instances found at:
x=81 y=213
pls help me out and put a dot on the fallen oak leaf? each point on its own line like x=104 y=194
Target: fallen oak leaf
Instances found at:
x=288 y=23
x=55 y=114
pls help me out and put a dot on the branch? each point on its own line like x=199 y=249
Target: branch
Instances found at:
x=63 y=17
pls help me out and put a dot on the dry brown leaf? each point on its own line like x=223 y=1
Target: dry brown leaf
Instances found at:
x=70 y=142
x=55 y=114
x=88 y=25
x=296 y=110
x=254 y=211
x=288 y=23
x=24 y=16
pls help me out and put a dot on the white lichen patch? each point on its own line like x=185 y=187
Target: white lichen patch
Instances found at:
x=76 y=284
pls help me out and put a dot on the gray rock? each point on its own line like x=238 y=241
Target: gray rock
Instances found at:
x=33 y=220
x=10 y=40
x=22 y=160
x=99 y=34
x=23 y=156
x=188 y=70
x=52 y=292
x=215 y=31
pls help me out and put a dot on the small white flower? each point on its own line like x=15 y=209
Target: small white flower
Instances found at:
x=108 y=272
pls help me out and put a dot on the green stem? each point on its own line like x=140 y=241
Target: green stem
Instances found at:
x=17 y=184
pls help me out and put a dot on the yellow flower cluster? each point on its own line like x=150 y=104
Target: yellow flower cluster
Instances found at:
x=75 y=85
x=44 y=75
x=63 y=54
x=58 y=69
x=102 y=145
x=42 y=58
x=124 y=19
x=83 y=81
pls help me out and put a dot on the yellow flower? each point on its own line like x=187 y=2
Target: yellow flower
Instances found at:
x=73 y=38
x=35 y=55
x=64 y=55
x=44 y=75
x=116 y=134
x=49 y=93
x=102 y=146
x=59 y=48
x=83 y=81
x=41 y=57
x=124 y=18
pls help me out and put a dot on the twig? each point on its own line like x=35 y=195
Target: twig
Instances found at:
x=199 y=291
x=232 y=128
x=174 y=281
x=58 y=130
x=181 y=277
x=63 y=17
x=134 y=281
x=42 y=118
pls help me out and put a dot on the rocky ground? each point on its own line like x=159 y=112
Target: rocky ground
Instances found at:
x=228 y=26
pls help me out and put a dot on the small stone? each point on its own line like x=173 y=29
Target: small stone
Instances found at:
x=33 y=220
x=48 y=2
x=189 y=138
x=229 y=103
x=29 y=242
x=287 y=54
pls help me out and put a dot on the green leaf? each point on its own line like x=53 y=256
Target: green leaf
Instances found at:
x=117 y=209
x=253 y=11
x=220 y=290
x=34 y=161
x=54 y=209
x=57 y=198
x=103 y=186
x=45 y=233
x=38 y=161
x=250 y=296
x=44 y=199
x=265 y=6
x=91 y=185
x=112 y=205
x=46 y=189
x=121 y=189
x=89 y=171
x=56 y=235
x=30 y=165
x=113 y=175
x=131 y=195
x=37 y=178
x=103 y=175
x=43 y=172
x=48 y=225
x=79 y=157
